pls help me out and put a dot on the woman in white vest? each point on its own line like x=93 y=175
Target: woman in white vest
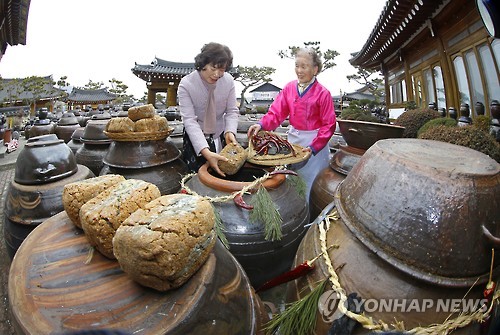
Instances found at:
x=309 y=107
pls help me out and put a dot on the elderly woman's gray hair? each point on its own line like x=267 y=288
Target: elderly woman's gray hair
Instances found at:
x=316 y=59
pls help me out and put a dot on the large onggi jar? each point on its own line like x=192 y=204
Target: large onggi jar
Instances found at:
x=262 y=259
x=56 y=288
x=418 y=221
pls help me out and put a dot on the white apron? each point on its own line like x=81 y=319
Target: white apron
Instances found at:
x=316 y=163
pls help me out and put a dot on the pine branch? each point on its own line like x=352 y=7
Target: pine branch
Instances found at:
x=299 y=317
x=299 y=184
x=220 y=229
x=265 y=211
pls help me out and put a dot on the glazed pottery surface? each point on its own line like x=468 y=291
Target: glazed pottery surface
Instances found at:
x=345 y=158
x=92 y=155
x=67 y=119
x=262 y=259
x=44 y=159
x=140 y=154
x=75 y=143
x=26 y=206
x=323 y=190
x=94 y=132
x=55 y=288
x=389 y=294
x=429 y=208
x=167 y=176
x=64 y=132
x=41 y=127
x=362 y=134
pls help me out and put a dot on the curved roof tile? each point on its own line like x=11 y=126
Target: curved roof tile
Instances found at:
x=14 y=23
x=399 y=21
x=162 y=69
x=84 y=95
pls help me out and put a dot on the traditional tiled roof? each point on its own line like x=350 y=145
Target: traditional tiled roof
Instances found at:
x=266 y=87
x=12 y=91
x=13 y=23
x=399 y=21
x=160 y=69
x=82 y=96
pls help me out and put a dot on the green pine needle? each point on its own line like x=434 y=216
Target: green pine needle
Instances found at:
x=265 y=211
x=220 y=229
x=299 y=317
x=299 y=184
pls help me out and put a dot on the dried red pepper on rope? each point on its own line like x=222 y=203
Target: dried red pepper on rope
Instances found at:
x=238 y=200
x=297 y=272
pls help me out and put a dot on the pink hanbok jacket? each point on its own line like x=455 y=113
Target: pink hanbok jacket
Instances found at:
x=310 y=111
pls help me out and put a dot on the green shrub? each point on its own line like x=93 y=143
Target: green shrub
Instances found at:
x=467 y=136
x=445 y=121
x=354 y=112
x=262 y=109
x=414 y=119
x=482 y=122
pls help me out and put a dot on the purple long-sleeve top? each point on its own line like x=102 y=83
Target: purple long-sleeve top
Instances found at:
x=193 y=98
x=313 y=110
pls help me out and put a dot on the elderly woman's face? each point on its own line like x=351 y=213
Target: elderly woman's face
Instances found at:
x=304 y=68
x=210 y=73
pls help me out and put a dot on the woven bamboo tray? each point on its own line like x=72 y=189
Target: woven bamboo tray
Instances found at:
x=139 y=136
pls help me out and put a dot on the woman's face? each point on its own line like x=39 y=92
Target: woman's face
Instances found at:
x=305 y=69
x=210 y=73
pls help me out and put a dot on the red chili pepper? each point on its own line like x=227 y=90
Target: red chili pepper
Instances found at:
x=297 y=272
x=283 y=172
x=488 y=295
x=488 y=291
x=238 y=200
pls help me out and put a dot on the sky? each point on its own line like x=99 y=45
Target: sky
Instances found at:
x=101 y=40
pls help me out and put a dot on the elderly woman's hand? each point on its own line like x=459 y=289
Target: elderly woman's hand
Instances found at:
x=253 y=130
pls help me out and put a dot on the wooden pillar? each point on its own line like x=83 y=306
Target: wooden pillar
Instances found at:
x=151 y=96
x=172 y=95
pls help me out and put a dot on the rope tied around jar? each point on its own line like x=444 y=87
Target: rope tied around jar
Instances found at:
x=300 y=316
x=262 y=207
x=462 y=320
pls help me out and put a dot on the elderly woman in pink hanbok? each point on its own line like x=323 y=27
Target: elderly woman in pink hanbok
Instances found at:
x=309 y=107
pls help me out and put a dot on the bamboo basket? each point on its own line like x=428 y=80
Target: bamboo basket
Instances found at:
x=139 y=136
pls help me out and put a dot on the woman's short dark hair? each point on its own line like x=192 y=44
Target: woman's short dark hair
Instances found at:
x=214 y=53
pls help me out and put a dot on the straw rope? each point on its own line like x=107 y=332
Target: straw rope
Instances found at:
x=135 y=136
x=446 y=327
x=257 y=182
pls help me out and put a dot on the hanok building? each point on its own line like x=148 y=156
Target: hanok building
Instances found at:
x=17 y=92
x=264 y=94
x=433 y=51
x=87 y=97
x=13 y=23
x=162 y=76
x=165 y=76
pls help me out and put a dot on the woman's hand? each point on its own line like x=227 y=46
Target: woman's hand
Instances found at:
x=230 y=138
x=306 y=149
x=253 y=130
x=213 y=160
